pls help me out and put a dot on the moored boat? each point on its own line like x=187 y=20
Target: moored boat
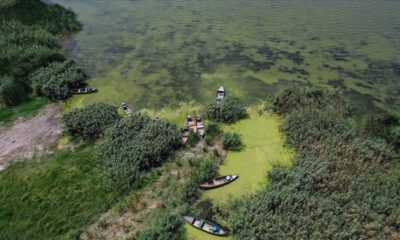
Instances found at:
x=126 y=109
x=218 y=182
x=220 y=95
x=83 y=90
x=185 y=134
x=206 y=226
x=191 y=123
x=200 y=125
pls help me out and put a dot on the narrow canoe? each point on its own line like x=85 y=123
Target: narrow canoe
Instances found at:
x=220 y=95
x=83 y=90
x=218 y=182
x=126 y=109
x=185 y=134
x=200 y=126
x=206 y=226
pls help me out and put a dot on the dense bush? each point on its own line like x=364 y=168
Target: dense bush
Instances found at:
x=342 y=186
x=193 y=139
x=12 y=92
x=29 y=31
x=133 y=145
x=56 y=80
x=386 y=127
x=167 y=227
x=207 y=170
x=229 y=111
x=232 y=141
x=91 y=121
x=190 y=192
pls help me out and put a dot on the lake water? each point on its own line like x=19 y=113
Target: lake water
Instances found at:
x=154 y=53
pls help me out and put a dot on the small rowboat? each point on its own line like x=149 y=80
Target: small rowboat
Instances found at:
x=185 y=134
x=126 y=109
x=83 y=90
x=200 y=126
x=220 y=95
x=191 y=123
x=206 y=226
x=218 y=182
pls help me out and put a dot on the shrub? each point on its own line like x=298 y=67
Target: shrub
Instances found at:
x=91 y=121
x=168 y=226
x=229 y=111
x=190 y=192
x=193 y=139
x=207 y=170
x=213 y=130
x=386 y=127
x=12 y=92
x=134 y=145
x=232 y=141
x=56 y=80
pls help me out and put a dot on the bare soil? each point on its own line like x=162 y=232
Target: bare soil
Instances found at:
x=28 y=137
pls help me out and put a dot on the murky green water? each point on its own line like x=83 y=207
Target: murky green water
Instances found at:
x=153 y=53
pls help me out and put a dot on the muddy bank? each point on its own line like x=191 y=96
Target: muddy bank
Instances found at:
x=28 y=137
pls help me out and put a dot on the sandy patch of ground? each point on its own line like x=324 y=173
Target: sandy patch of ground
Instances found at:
x=31 y=136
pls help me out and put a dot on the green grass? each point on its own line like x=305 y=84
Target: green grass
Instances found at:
x=50 y=198
x=26 y=109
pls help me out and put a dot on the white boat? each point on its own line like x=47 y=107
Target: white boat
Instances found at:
x=220 y=94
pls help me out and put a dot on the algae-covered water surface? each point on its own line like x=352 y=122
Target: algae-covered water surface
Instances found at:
x=153 y=53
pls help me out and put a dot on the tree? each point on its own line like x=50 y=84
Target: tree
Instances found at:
x=91 y=121
x=135 y=145
x=229 y=111
x=232 y=141
x=56 y=80
x=12 y=92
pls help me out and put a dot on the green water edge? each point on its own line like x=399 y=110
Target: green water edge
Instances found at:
x=264 y=149
x=154 y=54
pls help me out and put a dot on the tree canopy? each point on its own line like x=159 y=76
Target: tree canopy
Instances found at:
x=229 y=111
x=134 y=145
x=91 y=121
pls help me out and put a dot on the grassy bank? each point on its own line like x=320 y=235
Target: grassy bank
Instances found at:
x=27 y=109
x=52 y=197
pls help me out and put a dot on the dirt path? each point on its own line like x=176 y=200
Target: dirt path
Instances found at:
x=27 y=137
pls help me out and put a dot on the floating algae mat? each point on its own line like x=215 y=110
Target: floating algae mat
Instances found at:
x=264 y=149
x=153 y=54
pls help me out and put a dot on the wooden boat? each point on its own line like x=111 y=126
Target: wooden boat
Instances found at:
x=200 y=126
x=191 y=123
x=126 y=109
x=218 y=182
x=206 y=226
x=220 y=95
x=185 y=134
x=83 y=90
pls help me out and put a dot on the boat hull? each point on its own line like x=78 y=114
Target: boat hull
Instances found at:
x=206 y=186
x=192 y=221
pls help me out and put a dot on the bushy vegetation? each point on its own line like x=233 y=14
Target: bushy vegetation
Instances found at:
x=229 y=111
x=206 y=171
x=342 y=186
x=134 y=145
x=29 y=31
x=53 y=197
x=56 y=80
x=213 y=131
x=193 y=139
x=232 y=141
x=168 y=226
x=28 y=108
x=386 y=127
x=91 y=121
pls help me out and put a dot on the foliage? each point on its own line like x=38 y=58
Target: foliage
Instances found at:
x=28 y=108
x=232 y=141
x=207 y=170
x=11 y=92
x=229 y=111
x=29 y=32
x=91 y=121
x=342 y=186
x=193 y=139
x=213 y=130
x=386 y=127
x=52 y=197
x=52 y=18
x=168 y=226
x=134 y=145
x=190 y=192
x=55 y=80
x=294 y=97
